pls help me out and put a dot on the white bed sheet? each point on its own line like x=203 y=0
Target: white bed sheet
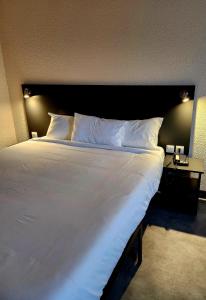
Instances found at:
x=66 y=214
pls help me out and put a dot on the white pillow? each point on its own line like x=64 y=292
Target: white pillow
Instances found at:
x=90 y=129
x=60 y=127
x=142 y=133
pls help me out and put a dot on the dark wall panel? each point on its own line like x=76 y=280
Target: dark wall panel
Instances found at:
x=126 y=102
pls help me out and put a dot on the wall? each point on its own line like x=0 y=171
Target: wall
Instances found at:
x=7 y=130
x=145 y=41
x=200 y=134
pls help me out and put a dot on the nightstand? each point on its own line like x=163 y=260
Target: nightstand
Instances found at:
x=180 y=185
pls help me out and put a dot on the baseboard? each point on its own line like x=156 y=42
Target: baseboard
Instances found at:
x=202 y=195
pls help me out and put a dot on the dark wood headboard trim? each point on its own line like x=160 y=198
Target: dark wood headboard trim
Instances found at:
x=117 y=102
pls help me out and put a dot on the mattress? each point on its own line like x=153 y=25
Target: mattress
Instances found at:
x=66 y=214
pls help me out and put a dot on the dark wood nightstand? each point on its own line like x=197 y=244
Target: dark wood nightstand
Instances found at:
x=180 y=185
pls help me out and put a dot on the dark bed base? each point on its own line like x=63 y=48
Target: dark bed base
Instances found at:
x=126 y=267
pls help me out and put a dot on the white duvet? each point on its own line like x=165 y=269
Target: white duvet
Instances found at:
x=66 y=214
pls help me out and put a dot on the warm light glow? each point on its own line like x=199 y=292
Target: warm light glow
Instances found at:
x=186 y=99
x=185 y=96
x=27 y=94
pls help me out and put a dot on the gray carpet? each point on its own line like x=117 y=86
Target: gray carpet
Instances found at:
x=173 y=267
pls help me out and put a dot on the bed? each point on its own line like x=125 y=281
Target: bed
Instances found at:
x=67 y=212
x=73 y=211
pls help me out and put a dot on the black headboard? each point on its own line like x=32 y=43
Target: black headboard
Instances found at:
x=125 y=102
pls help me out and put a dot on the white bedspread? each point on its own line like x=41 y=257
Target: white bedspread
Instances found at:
x=66 y=214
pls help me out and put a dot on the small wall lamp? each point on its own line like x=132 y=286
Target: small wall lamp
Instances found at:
x=185 y=96
x=27 y=93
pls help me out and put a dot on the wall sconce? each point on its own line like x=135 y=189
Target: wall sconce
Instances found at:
x=185 y=96
x=27 y=93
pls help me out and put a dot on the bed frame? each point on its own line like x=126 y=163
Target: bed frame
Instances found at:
x=126 y=267
x=116 y=102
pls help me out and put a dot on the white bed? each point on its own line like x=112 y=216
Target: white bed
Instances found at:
x=66 y=213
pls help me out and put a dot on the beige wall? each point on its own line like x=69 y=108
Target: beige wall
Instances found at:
x=124 y=41
x=7 y=131
x=200 y=134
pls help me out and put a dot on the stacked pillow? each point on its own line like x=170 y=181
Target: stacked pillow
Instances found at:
x=60 y=127
x=142 y=133
x=89 y=129
x=94 y=130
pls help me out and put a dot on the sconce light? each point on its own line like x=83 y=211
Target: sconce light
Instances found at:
x=27 y=93
x=185 y=96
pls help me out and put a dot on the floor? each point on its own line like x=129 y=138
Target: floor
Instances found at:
x=174 y=257
x=179 y=221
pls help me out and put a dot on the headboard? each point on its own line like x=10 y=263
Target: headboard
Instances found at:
x=124 y=102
